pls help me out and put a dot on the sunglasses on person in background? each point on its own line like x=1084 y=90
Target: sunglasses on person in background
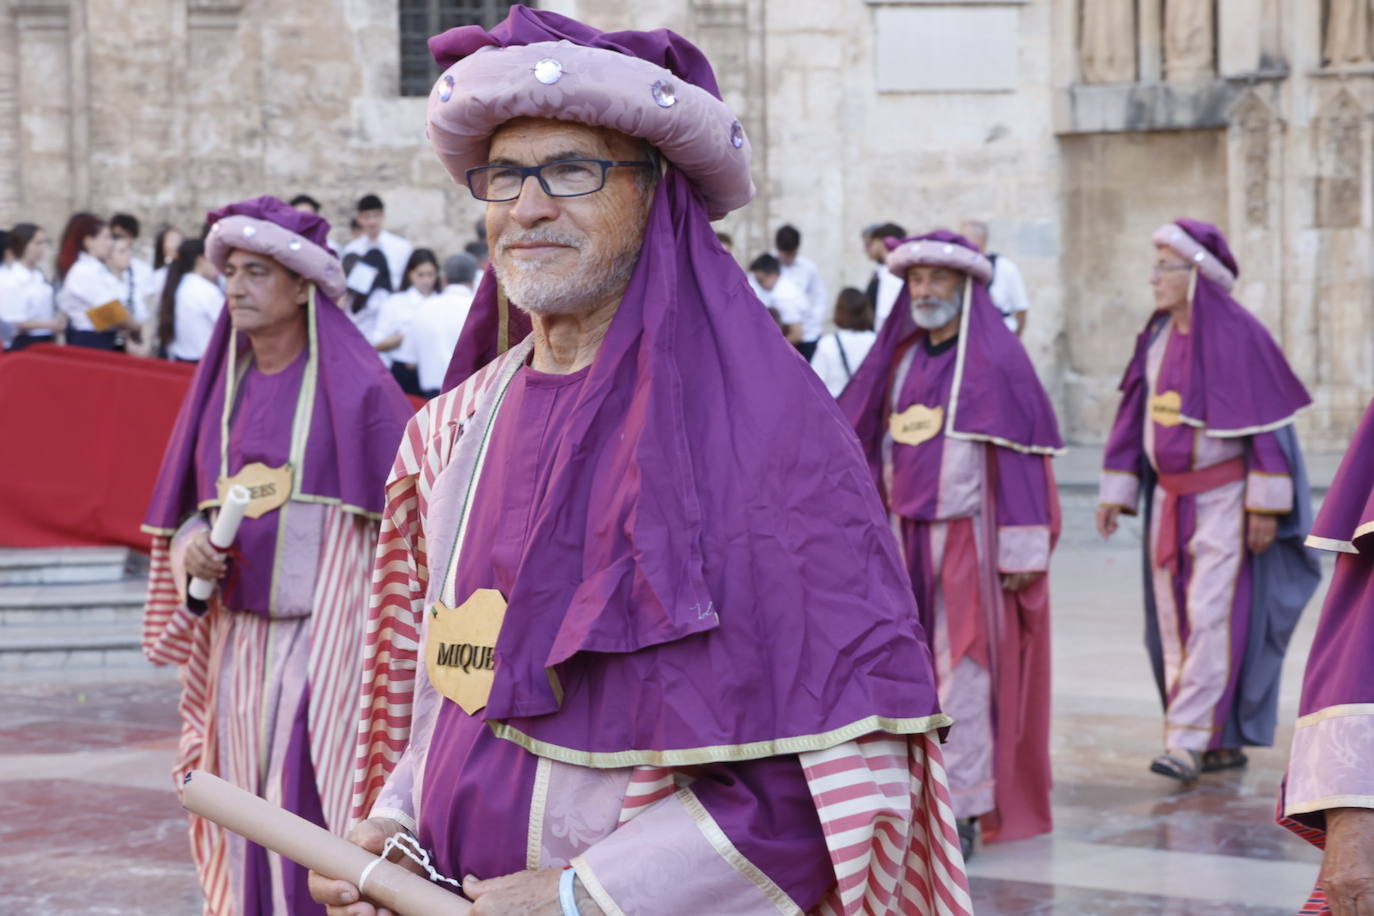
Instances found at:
x=559 y=178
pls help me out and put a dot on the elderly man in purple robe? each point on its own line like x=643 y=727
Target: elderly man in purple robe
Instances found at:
x=640 y=640
x=1328 y=795
x=1204 y=437
x=291 y=402
x=959 y=435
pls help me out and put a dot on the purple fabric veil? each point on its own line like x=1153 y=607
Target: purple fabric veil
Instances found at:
x=709 y=573
x=1346 y=520
x=1240 y=382
x=356 y=424
x=999 y=399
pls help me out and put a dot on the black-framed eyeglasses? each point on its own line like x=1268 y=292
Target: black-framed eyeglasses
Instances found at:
x=559 y=178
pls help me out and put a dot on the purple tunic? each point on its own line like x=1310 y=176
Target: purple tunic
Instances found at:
x=473 y=777
x=259 y=430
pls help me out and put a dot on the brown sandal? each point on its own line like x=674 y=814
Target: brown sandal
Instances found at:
x=1175 y=765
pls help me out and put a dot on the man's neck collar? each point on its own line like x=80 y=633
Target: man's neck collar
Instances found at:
x=564 y=344
x=276 y=348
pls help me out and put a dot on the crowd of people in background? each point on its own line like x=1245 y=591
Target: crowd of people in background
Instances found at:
x=97 y=292
x=410 y=305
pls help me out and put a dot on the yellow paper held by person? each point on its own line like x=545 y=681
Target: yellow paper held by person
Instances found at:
x=109 y=315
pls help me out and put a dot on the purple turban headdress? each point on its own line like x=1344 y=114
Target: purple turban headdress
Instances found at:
x=997 y=396
x=710 y=566
x=1240 y=383
x=354 y=418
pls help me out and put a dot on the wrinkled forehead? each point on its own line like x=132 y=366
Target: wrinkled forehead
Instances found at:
x=1166 y=255
x=533 y=140
x=240 y=258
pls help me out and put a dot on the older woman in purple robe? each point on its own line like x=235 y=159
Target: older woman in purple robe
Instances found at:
x=1204 y=437
x=636 y=607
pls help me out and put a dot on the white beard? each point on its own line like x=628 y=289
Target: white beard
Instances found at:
x=940 y=313
x=595 y=278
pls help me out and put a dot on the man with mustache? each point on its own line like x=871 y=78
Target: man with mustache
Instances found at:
x=291 y=403
x=958 y=433
x=640 y=640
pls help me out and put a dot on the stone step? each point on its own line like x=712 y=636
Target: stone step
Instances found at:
x=91 y=646
x=73 y=606
x=67 y=565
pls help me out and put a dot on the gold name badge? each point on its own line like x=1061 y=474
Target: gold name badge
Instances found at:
x=1167 y=409
x=269 y=488
x=460 y=652
x=917 y=424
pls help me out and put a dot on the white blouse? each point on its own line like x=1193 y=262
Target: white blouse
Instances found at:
x=198 y=305
x=88 y=284
x=25 y=295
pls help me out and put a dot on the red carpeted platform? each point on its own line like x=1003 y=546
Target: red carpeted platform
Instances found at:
x=81 y=438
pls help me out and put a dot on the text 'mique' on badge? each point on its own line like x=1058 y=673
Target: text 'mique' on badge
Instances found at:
x=269 y=488
x=460 y=648
x=917 y=424
x=1167 y=409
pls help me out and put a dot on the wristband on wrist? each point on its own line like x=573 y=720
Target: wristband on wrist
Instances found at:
x=566 y=898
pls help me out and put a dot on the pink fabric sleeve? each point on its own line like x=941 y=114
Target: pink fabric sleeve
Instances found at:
x=742 y=839
x=1269 y=483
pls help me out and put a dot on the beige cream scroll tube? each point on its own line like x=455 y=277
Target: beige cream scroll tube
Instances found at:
x=223 y=534
x=297 y=839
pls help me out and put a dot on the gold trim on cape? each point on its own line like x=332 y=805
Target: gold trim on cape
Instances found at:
x=720 y=753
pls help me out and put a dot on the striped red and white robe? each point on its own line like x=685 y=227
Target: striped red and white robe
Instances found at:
x=244 y=677
x=882 y=800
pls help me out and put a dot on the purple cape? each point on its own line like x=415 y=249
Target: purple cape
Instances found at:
x=1346 y=519
x=710 y=569
x=999 y=397
x=1252 y=388
x=356 y=421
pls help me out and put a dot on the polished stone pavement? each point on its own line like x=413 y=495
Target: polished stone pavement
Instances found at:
x=89 y=823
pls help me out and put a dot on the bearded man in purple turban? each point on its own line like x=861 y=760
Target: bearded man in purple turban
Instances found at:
x=640 y=640
x=1204 y=438
x=290 y=402
x=1328 y=795
x=959 y=432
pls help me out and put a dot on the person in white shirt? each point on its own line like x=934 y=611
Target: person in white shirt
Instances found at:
x=840 y=353
x=191 y=304
x=369 y=286
x=779 y=295
x=371 y=218
x=137 y=276
x=1007 y=289
x=802 y=272
x=439 y=321
x=884 y=286
x=392 y=336
x=86 y=281
x=165 y=245
x=26 y=297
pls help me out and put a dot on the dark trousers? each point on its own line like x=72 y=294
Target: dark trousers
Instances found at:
x=27 y=340
x=96 y=340
x=406 y=376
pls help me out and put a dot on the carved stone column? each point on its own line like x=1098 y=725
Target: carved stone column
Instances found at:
x=1347 y=33
x=1189 y=40
x=1107 y=41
